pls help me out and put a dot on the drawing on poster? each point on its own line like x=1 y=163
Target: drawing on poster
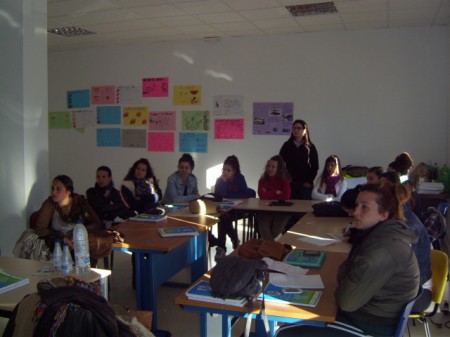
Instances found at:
x=59 y=120
x=162 y=120
x=134 y=138
x=108 y=137
x=78 y=99
x=161 y=142
x=228 y=105
x=273 y=118
x=187 y=95
x=128 y=94
x=108 y=114
x=135 y=116
x=229 y=129
x=155 y=87
x=193 y=142
x=195 y=120
x=103 y=95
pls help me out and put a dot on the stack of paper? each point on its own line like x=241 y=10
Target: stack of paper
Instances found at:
x=9 y=282
x=201 y=291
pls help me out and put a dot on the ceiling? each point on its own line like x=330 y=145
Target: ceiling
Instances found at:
x=118 y=22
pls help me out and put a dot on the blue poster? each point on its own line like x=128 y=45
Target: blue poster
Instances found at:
x=109 y=115
x=108 y=137
x=193 y=142
x=78 y=99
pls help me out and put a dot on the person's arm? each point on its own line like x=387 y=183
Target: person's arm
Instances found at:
x=44 y=219
x=221 y=188
x=314 y=162
x=128 y=196
x=242 y=188
x=341 y=187
x=92 y=221
x=316 y=192
x=192 y=191
x=286 y=191
x=366 y=275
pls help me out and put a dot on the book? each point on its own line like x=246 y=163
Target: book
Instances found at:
x=149 y=217
x=201 y=291
x=178 y=231
x=305 y=297
x=305 y=258
x=9 y=282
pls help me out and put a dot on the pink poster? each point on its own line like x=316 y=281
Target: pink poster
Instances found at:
x=162 y=120
x=103 y=95
x=161 y=142
x=229 y=129
x=155 y=87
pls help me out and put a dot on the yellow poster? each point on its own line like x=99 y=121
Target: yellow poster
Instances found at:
x=187 y=95
x=135 y=115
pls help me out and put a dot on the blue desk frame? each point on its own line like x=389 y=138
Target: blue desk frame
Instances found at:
x=154 y=267
x=230 y=317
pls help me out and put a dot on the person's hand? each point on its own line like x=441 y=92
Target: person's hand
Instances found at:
x=308 y=185
x=346 y=233
x=278 y=192
x=69 y=241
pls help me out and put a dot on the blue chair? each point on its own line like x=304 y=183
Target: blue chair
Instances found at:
x=338 y=329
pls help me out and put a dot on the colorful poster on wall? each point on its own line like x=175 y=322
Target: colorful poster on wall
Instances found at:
x=195 y=120
x=135 y=115
x=128 y=94
x=272 y=118
x=78 y=99
x=134 y=138
x=187 y=95
x=228 y=105
x=155 y=87
x=83 y=118
x=109 y=114
x=229 y=129
x=162 y=120
x=161 y=142
x=103 y=95
x=108 y=137
x=59 y=120
x=193 y=142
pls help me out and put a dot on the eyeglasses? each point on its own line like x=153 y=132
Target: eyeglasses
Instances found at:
x=298 y=128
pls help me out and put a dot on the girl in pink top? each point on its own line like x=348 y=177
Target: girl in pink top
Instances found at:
x=274 y=184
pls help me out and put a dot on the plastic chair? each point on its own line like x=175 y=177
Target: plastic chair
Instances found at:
x=439 y=275
x=308 y=328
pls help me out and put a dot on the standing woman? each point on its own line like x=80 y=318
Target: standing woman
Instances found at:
x=302 y=160
x=140 y=190
x=273 y=184
x=331 y=185
x=182 y=184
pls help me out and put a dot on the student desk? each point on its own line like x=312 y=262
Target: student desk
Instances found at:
x=311 y=225
x=259 y=205
x=157 y=259
x=325 y=311
x=26 y=268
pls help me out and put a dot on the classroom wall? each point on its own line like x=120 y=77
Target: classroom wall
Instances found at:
x=366 y=95
x=24 y=164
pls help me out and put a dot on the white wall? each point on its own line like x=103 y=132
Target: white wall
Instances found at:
x=366 y=96
x=23 y=106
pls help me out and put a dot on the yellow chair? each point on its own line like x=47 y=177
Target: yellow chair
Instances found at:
x=439 y=270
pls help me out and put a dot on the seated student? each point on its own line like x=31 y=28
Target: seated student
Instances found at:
x=274 y=184
x=331 y=184
x=401 y=165
x=381 y=273
x=231 y=184
x=140 y=190
x=105 y=199
x=374 y=174
x=422 y=248
x=58 y=215
x=182 y=184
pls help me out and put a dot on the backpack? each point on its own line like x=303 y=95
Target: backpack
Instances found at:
x=435 y=224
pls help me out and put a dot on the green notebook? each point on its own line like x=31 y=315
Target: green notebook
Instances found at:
x=305 y=258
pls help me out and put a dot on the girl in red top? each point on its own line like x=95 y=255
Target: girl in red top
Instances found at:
x=274 y=184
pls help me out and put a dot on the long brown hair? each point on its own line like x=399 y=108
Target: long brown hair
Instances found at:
x=282 y=171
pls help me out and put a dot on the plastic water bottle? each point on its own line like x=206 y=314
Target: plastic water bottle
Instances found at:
x=81 y=247
x=67 y=262
x=57 y=256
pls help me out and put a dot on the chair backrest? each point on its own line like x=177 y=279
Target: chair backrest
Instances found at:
x=439 y=274
x=403 y=321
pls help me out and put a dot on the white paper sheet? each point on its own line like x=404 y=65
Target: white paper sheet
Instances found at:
x=284 y=267
x=296 y=281
x=318 y=241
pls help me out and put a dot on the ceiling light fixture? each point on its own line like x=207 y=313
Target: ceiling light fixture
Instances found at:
x=70 y=31
x=312 y=9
